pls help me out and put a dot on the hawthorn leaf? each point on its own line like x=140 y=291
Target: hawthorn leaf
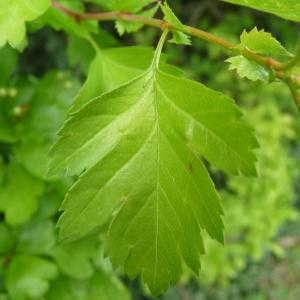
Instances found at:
x=28 y=277
x=19 y=194
x=260 y=42
x=180 y=38
x=177 y=36
x=287 y=9
x=263 y=43
x=13 y=15
x=113 y=67
x=248 y=69
x=140 y=147
x=124 y=26
x=170 y=17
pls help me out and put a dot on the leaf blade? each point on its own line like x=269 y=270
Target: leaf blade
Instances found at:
x=143 y=174
x=13 y=16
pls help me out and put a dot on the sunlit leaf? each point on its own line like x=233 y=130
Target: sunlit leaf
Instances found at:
x=14 y=14
x=170 y=17
x=140 y=145
x=124 y=26
x=262 y=42
x=247 y=68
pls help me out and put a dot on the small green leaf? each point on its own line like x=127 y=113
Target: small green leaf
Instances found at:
x=140 y=145
x=14 y=14
x=170 y=17
x=19 y=195
x=260 y=42
x=248 y=69
x=28 y=277
x=180 y=38
x=263 y=43
x=287 y=9
x=124 y=26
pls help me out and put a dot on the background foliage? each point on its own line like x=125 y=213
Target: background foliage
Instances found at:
x=261 y=256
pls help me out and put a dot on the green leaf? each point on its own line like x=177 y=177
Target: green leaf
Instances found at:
x=260 y=42
x=74 y=259
x=170 y=17
x=124 y=26
x=248 y=69
x=263 y=43
x=140 y=145
x=113 y=67
x=121 y=5
x=19 y=195
x=14 y=14
x=287 y=9
x=28 y=277
x=180 y=38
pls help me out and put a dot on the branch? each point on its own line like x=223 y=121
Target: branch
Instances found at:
x=268 y=62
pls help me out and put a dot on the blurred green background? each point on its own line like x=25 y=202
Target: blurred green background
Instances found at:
x=261 y=256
